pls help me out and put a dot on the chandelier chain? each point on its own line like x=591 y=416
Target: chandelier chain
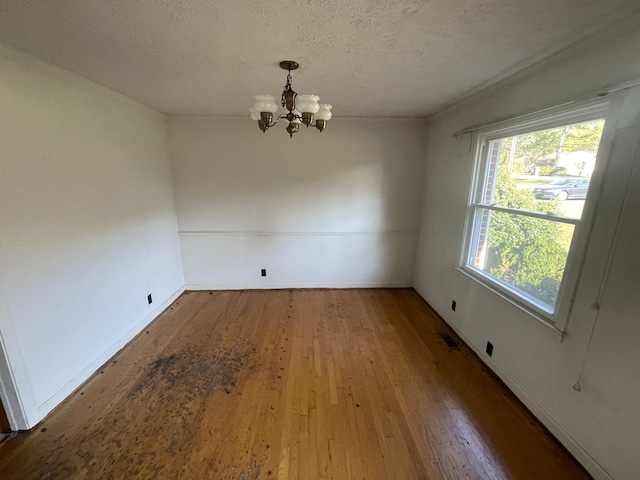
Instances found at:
x=286 y=88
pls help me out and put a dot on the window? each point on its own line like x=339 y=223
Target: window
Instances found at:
x=531 y=183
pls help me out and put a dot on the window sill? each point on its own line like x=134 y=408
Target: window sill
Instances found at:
x=548 y=325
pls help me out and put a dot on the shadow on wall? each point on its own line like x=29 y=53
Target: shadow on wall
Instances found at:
x=360 y=176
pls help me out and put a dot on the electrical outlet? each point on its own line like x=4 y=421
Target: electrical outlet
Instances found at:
x=489 y=348
x=263 y=272
x=453 y=305
x=149 y=299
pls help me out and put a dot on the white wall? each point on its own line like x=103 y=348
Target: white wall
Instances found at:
x=600 y=423
x=337 y=208
x=88 y=229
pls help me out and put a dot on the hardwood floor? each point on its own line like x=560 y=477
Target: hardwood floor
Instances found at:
x=291 y=384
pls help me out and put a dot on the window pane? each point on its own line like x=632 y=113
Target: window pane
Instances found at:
x=527 y=254
x=547 y=171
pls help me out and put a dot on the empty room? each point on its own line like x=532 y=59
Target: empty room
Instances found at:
x=319 y=240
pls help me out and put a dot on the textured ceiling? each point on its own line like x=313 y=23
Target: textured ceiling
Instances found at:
x=366 y=57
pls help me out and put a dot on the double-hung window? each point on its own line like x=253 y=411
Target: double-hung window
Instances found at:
x=531 y=181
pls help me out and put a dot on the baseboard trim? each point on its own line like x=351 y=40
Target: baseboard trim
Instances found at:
x=280 y=286
x=57 y=398
x=579 y=453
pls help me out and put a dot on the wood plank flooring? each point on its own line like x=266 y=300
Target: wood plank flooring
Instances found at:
x=290 y=384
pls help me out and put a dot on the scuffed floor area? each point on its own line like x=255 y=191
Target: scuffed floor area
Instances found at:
x=290 y=384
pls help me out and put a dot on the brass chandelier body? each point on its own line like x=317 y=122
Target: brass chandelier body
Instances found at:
x=308 y=107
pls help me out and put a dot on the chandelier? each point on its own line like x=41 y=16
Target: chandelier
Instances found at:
x=300 y=108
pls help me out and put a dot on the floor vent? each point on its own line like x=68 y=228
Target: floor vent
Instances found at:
x=451 y=343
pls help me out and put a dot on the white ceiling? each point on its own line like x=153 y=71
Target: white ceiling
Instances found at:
x=366 y=57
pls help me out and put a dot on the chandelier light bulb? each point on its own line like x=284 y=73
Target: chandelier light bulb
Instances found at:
x=306 y=103
x=265 y=103
x=324 y=112
x=255 y=114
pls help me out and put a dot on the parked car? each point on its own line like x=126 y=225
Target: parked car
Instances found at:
x=563 y=189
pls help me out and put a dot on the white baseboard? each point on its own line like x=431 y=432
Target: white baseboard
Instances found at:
x=93 y=367
x=556 y=430
x=277 y=286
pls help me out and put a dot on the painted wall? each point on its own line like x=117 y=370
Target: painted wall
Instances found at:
x=331 y=209
x=598 y=424
x=88 y=228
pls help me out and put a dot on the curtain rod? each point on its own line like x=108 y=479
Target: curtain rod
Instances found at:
x=593 y=96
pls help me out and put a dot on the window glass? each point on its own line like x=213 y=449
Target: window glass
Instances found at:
x=530 y=196
x=524 y=254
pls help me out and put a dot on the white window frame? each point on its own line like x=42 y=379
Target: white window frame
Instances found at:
x=557 y=319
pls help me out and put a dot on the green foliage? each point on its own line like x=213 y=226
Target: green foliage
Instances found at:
x=525 y=251
x=532 y=148
x=548 y=170
x=518 y=168
x=583 y=137
x=544 y=147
